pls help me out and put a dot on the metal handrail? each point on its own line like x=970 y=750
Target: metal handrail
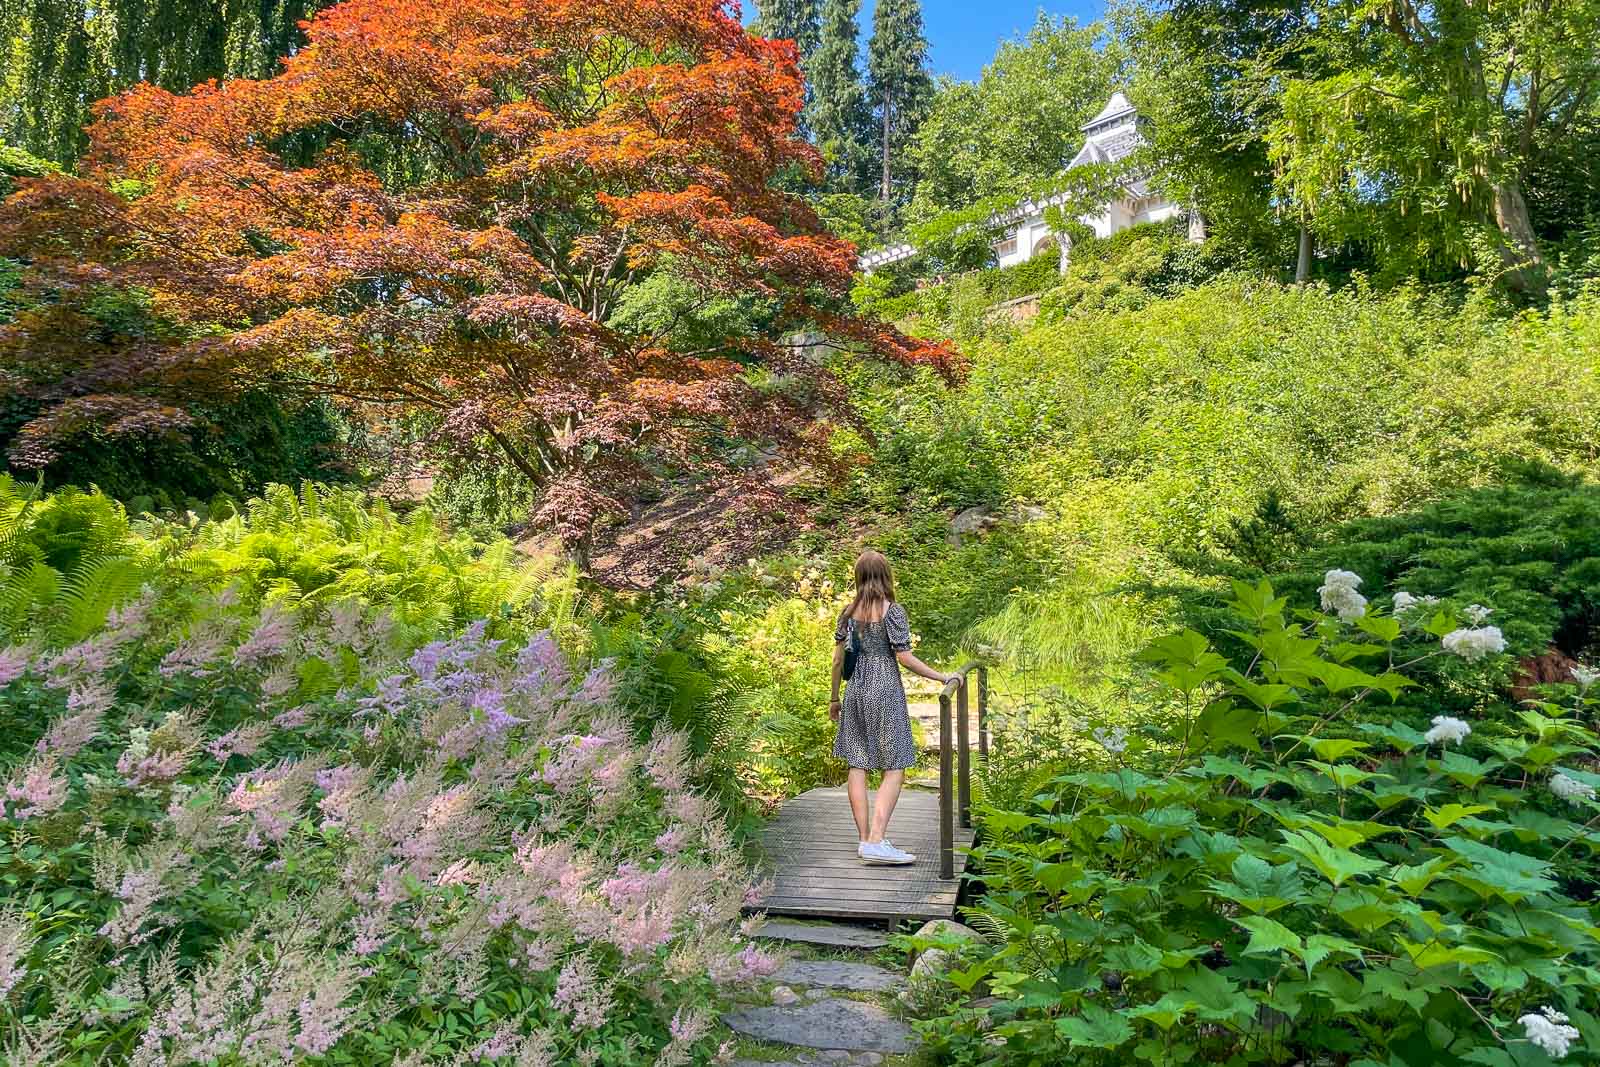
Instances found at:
x=962 y=790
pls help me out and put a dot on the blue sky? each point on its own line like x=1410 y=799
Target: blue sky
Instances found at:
x=963 y=34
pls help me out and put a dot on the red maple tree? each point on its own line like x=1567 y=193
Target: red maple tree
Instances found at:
x=458 y=207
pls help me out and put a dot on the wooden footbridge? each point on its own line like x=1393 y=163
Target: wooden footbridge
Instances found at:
x=810 y=847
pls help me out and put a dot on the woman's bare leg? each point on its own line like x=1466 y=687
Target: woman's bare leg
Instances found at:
x=856 y=787
x=888 y=797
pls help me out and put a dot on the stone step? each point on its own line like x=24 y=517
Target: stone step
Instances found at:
x=830 y=1058
x=838 y=974
x=832 y=1023
x=838 y=935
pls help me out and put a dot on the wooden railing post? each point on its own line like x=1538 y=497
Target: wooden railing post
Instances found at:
x=964 y=748
x=983 y=712
x=947 y=835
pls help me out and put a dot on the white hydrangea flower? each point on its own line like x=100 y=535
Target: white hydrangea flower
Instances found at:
x=1447 y=729
x=1585 y=676
x=1569 y=788
x=1338 y=592
x=1477 y=614
x=1404 y=601
x=1113 y=741
x=1549 y=1030
x=1475 y=643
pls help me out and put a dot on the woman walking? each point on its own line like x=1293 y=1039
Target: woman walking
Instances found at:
x=874 y=723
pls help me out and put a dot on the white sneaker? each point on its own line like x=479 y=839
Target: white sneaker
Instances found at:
x=883 y=853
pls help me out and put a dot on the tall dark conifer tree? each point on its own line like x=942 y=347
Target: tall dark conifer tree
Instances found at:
x=840 y=118
x=899 y=85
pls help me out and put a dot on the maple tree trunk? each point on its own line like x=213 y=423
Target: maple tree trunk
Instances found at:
x=884 y=188
x=1519 y=249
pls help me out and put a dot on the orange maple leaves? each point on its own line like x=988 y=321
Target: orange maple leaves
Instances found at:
x=441 y=205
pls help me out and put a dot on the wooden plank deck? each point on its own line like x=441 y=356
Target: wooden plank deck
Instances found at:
x=811 y=858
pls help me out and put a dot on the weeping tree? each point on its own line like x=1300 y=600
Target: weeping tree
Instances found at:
x=63 y=55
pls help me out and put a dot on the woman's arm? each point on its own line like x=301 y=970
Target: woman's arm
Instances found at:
x=838 y=672
x=909 y=660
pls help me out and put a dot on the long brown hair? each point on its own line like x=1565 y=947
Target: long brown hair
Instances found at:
x=874 y=583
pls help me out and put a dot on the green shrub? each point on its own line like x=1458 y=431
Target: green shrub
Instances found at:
x=1530 y=552
x=1258 y=881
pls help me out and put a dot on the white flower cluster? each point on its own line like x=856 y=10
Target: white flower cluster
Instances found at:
x=1474 y=643
x=1447 y=729
x=1405 y=602
x=1585 y=677
x=1568 y=788
x=1549 y=1030
x=1338 y=591
x=1114 y=741
x=1477 y=614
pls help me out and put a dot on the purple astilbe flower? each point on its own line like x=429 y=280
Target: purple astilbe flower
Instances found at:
x=270 y=639
x=425 y=661
x=195 y=656
x=38 y=791
x=541 y=665
x=490 y=705
x=16 y=941
x=140 y=889
x=14 y=663
x=389 y=697
x=672 y=840
x=686 y=1028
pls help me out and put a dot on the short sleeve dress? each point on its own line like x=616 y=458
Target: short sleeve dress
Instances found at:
x=874 y=724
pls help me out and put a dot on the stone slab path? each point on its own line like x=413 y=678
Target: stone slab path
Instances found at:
x=827 y=1011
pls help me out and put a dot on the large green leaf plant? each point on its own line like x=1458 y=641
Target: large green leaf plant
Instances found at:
x=1290 y=875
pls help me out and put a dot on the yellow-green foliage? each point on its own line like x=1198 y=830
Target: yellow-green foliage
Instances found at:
x=1146 y=436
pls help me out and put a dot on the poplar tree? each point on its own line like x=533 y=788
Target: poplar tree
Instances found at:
x=899 y=84
x=840 y=120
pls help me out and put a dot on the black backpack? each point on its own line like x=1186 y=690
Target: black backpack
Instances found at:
x=852 y=649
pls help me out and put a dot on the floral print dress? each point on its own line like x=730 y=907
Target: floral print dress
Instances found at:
x=874 y=724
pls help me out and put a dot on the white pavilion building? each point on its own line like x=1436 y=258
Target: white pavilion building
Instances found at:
x=1111 y=135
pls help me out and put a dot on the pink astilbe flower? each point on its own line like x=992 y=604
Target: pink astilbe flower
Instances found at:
x=86 y=707
x=154 y=757
x=39 y=790
x=597 y=686
x=140 y=889
x=343 y=788
x=83 y=662
x=243 y=740
x=16 y=941
x=130 y=622
x=270 y=798
x=667 y=761
x=672 y=840
x=294 y=718
x=324 y=1016
x=574 y=760
x=270 y=639
x=390 y=697
x=580 y=992
x=196 y=656
x=687 y=1029
x=14 y=663
x=279 y=682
